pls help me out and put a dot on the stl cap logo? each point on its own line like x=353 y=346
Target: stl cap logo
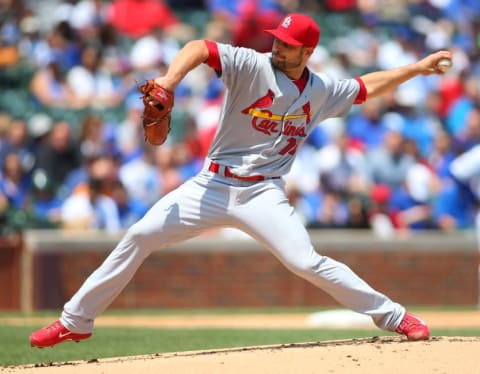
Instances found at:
x=286 y=22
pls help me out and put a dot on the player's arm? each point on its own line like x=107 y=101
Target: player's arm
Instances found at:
x=380 y=82
x=188 y=58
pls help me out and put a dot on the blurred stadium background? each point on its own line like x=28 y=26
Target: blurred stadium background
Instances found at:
x=374 y=188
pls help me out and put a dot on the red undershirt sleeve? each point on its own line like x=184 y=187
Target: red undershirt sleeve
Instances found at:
x=362 y=93
x=213 y=59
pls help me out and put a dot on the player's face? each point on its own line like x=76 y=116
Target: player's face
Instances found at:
x=289 y=58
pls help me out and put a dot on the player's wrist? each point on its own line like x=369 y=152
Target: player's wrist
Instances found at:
x=166 y=83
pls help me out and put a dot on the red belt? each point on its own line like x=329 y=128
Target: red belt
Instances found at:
x=215 y=168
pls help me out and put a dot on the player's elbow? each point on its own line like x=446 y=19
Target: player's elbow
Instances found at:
x=197 y=48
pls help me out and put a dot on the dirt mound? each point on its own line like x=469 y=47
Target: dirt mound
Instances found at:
x=371 y=355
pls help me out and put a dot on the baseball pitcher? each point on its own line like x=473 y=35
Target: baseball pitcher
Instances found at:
x=271 y=105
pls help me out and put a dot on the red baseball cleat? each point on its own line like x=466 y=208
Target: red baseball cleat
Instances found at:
x=54 y=334
x=413 y=328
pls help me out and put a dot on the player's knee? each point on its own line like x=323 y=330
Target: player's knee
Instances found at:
x=140 y=237
x=305 y=266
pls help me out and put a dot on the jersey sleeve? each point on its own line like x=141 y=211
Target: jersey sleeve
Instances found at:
x=338 y=96
x=213 y=59
x=231 y=63
x=362 y=92
x=240 y=65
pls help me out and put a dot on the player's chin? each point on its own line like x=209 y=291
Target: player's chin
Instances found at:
x=278 y=63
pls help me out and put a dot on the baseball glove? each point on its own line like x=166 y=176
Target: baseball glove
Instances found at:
x=157 y=109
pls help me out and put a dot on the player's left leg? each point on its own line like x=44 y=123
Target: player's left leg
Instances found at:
x=195 y=206
x=270 y=219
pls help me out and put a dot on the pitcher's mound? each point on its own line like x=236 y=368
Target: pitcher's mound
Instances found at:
x=372 y=355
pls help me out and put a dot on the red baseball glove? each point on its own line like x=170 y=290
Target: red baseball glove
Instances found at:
x=158 y=104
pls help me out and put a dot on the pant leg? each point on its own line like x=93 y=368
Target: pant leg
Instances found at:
x=180 y=215
x=268 y=217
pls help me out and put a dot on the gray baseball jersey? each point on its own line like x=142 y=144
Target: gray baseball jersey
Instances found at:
x=265 y=118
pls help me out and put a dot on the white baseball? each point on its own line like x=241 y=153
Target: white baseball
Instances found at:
x=444 y=64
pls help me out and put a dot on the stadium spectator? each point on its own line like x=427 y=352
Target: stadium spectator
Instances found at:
x=87 y=18
x=45 y=205
x=90 y=205
x=91 y=84
x=453 y=209
x=137 y=18
x=441 y=155
x=365 y=128
x=96 y=137
x=129 y=210
x=5 y=120
x=142 y=178
x=49 y=88
x=90 y=209
x=388 y=164
x=14 y=182
x=342 y=167
x=10 y=13
x=17 y=140
x=457 y=115
x=469 y=136
x=418 y=128
x=246 y=20
x=129 y=132
x=330 y=211
x=63 y=47
x=382 y=220
x=57 y=154
x=411 y=202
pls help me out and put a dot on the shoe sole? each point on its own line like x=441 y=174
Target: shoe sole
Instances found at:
x=53 y=345
x=420 y=336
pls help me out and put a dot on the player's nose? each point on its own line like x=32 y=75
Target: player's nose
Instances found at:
x=277 y=45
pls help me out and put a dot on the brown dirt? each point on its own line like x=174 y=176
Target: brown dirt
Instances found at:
x=373 y=355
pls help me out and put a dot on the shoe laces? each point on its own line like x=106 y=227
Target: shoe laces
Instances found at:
x=56 y=326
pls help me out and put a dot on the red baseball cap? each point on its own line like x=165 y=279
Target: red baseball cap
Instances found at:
x=297 y=29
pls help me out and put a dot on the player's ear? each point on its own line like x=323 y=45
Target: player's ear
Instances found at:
x=309 y=51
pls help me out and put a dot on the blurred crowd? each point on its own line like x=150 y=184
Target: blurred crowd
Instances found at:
x=72 y=152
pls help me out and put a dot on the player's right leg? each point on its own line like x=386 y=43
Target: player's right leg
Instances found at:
x=269 y=218
x=180 y=215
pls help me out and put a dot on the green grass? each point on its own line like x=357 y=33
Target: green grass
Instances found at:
x=114 y=342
